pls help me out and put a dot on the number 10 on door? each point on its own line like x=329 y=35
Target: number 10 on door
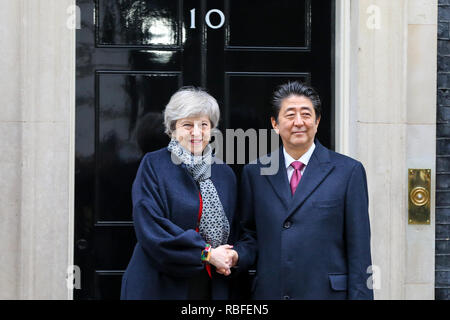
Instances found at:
x=208 y=19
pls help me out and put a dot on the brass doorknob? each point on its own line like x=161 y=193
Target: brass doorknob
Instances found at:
x=419 y=196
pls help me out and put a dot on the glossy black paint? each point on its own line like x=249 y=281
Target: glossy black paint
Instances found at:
x=132 y=55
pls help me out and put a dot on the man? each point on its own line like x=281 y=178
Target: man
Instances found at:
x=306 y=227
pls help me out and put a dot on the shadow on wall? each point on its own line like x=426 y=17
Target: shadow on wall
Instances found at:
x=150 y=133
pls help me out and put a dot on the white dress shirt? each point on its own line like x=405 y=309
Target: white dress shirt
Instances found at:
x=303 y=159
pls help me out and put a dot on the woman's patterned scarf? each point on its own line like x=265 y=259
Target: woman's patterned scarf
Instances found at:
x=214 y=226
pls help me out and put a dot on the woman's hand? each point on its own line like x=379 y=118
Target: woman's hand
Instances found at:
x=221 y=259
x=234 y=257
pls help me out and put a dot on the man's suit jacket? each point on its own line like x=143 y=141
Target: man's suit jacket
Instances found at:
x=315 y=244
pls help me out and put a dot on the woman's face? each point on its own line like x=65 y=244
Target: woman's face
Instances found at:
x=193 y=133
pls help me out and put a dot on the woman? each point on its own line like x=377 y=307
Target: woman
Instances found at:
x=183 y=208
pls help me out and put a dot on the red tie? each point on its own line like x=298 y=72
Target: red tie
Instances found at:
x=297 y=175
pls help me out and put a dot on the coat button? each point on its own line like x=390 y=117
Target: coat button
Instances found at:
x=286 y=297
x=287 y=224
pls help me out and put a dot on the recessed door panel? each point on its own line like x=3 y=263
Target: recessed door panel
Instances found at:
x=272 y=24
x=129 y=122
x=138 y=23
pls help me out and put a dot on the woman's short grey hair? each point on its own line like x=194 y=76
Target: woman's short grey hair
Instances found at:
x=190 y=102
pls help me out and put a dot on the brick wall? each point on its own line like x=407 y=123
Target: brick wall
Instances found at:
x=442 y=282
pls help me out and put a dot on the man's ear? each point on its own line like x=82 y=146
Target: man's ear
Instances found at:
x=274 y=125
x=318 y=120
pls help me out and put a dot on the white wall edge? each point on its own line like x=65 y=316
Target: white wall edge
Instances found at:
x=342 y=75
x=71 y=173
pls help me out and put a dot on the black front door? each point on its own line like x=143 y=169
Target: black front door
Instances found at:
x=132 y=55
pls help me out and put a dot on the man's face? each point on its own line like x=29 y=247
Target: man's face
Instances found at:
x=297 y=123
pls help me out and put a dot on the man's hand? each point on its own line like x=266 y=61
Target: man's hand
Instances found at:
x=234 y=257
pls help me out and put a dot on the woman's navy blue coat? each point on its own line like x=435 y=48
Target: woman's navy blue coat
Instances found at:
x=165 y=213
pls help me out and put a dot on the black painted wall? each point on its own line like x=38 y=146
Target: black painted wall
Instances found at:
x=442 y=282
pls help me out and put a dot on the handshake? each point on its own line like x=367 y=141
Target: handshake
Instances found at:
x=223 y=258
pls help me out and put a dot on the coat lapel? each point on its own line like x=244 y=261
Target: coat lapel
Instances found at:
x=316 y=171
x=280 y=183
